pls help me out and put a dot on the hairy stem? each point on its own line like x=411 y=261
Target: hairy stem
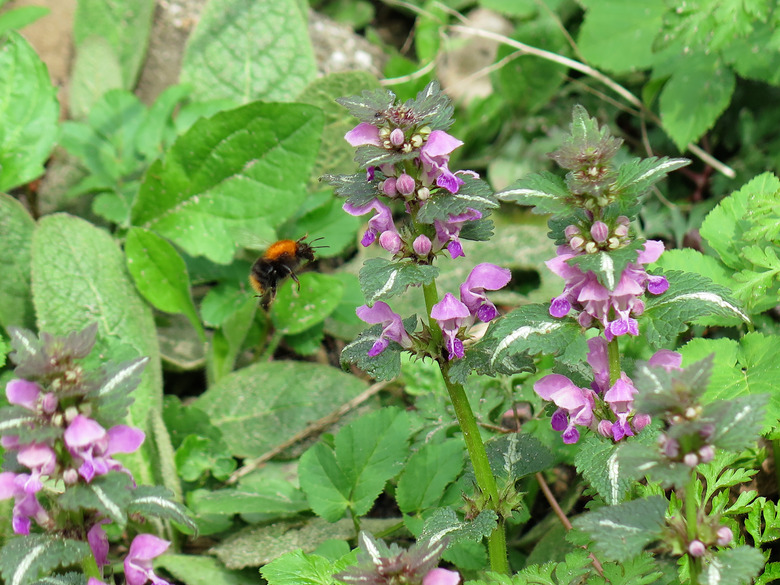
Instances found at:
x=613 y=353
x=691 y=521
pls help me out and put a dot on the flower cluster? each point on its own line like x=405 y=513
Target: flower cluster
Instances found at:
x=453 y=316
x=379 y=564
x=615 y=310
x=138 y=562
x=605 y=408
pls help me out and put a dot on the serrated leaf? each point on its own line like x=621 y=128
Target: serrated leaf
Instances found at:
x=114 y=391
x=737 y=422
x=367 y=453
x=386 y=365
x=444 y=523
x=30 y=113
x=598 y=462
x=365 y=106
x=546 y=192
x=637 y=176
x=274 y=60
x=734 y=566
x=160 y=275
x=108 y=494
x=516 y=455
x=689 y=296
x=356 y=188
x=695 y=96
x=263 y=405
x=295 y=311
x=297 y=567
x=79 y=277
x=608 y=266
x=381 y=279
x=26 y=558
x=240 y=171
x=201 y=570
x=157 y=501
x=426 y=475
x=473 y=194
x=622 y=531
x=17 y=227
x=15 y=419
x=274 y=499
x=531 y=329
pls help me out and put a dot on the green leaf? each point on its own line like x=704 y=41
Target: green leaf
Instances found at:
x=202 y=570
x=29 y=111
x=240 y=171
x=124 y=24
x=272 y=499
x=295 y=311
x=26 y=558
x=265 y=404
x=618 y=36
x=735 y=566
x=444 y=522
x=547 y=193
x=17 y=227
x=426 y=475
x=608 y=266
x=108 y=494
x=160 y=275
x=689 y=296
x=113 y=390
x=273 y=61
x=636 y=177
x=157 y=501
x=197 y=456
x=381 y=279
x=79 y=277
x=622 y=531
x=367 y=453
x=96 y=71
x=598 y=462
x=473 y=194
x=21 y=17
x=298 y=568
x=516 y=455
x=386 y=365
x=746 y=367
x=696 y=95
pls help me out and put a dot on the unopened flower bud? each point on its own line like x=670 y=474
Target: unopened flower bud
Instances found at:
x=416 y=141
x=405 y=185
x=390 y=241
x=389 y=187
x=423 y=193
x=613 y=243
x=570 y=231
x=49 y=402
x=71 y=413
x=691 y=460
x=70 y=476
x=640 y=421
x=441 y=576
x=707 y=453
x=605 y=428
x=577 y=242
x=422 y=245
x=623 y=220
x=707 y=432
x=384 y=132
x=696 y=548
x=671 y=448
x=599 y=231
x=425 y=131
x=621 y=231
x=397 y=137
x=591 y=248
x=725 y=536
x=690 y=413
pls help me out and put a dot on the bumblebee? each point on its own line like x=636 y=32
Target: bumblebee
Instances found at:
x=281 y=259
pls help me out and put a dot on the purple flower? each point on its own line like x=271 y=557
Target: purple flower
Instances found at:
x=88 y=441
x=441 y=577
x=696 y=548
x=575 y=405
x=422 y=245
x=138 y=562
x=363 y=134
x=98 y=542
x=26 y=504
x=483 y=277
x=41 y=459
x=447 y=231
x=620 y=398
x=434 y=155
x=391 y=242
x=450 y=314
x=392 y=326
x=725 y=536
x=23 y=393
x=378 y=224
x=405 y=185
x=666 y=359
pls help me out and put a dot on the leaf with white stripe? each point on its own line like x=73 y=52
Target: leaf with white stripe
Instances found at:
x=25 y=559
x=109 y=494
x=608 y=266
x=689 y=296
x=381 y=279
x=386 y=365
x=737 y=422
x=531 y=329
x=64 y=579
x=597 y=460
x=636 y=177
x=546 y=192
x=356 y=188
x=158 y=502
x=473 y=194
x=444 y=523
x=621 y=532
x=114 y=390
x=735 y=566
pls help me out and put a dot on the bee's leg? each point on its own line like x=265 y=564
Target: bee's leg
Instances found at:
x=295 y=278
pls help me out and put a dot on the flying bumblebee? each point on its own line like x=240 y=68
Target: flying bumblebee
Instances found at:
x=281 y=259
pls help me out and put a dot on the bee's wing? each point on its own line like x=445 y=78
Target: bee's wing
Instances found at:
x=246 y=239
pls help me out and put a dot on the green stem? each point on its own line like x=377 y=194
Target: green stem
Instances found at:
x=431 y=298
x=613 y=352
x=89 y=567
x=691 y=521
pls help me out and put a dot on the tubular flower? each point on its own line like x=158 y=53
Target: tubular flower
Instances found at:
x=447 y=232
x=575 y=405
x=26 y=505
x=378 y=224
x=451 y=314
x=90 y=443
x=138 y=562
x=392 y=326
x=483 y=277
x=435 y=154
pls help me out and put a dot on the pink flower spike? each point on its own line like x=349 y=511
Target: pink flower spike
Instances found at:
x=138 y=563
x=23 y=393
x=363 y=134
x=450 y=313
x=657 y=285
x=441 y=577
